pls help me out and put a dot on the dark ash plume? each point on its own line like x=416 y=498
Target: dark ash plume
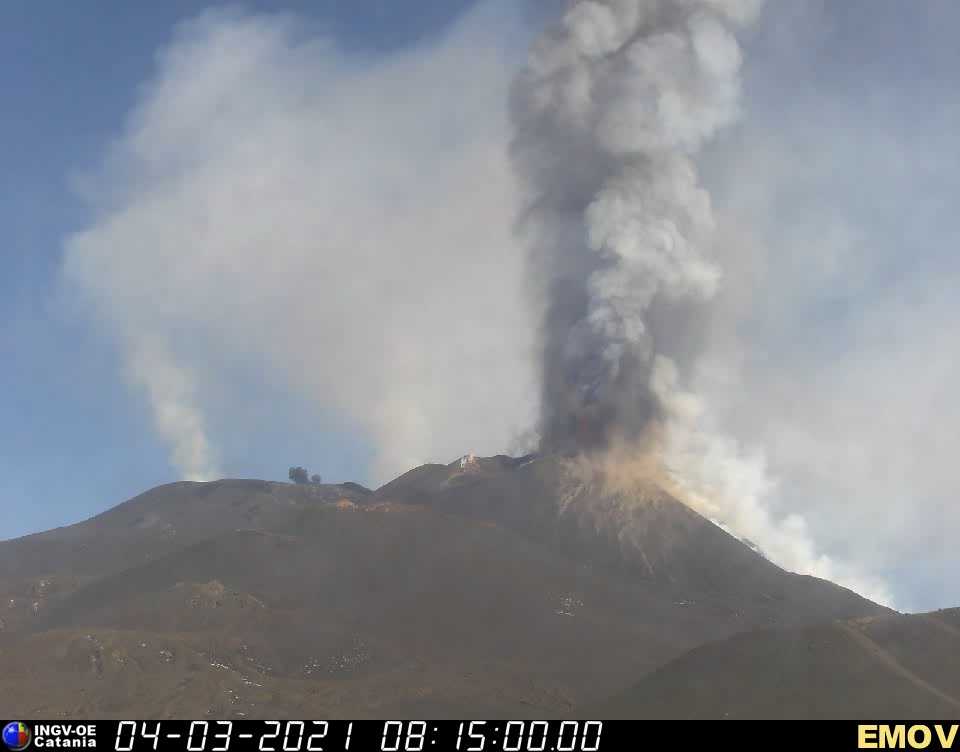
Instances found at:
x=615 y=101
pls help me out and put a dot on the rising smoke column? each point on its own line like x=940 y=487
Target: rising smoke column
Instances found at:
x=613 y=105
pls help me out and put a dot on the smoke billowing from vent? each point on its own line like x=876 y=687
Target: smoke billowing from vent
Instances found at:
x=610 y=113
x=342 y=227
x=613 y=105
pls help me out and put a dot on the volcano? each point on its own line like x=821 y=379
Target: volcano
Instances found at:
x=509 y=587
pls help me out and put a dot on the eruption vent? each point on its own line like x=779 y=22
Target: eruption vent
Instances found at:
x=613 y=105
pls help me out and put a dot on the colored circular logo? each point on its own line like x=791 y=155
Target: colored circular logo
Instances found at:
x=16 y=736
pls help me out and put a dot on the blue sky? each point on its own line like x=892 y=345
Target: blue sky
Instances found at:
x=354 y=302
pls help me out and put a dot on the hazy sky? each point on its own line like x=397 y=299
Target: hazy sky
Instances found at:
x=234 y=240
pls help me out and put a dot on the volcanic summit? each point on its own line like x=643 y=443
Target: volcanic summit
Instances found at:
x=501 y=586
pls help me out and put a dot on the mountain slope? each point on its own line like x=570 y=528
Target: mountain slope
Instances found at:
x=893 y=666
x=641 y=533
x=454 y=590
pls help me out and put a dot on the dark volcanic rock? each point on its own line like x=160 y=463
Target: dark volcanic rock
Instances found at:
x=644 y=536
x=881 y=667
x=491 y=586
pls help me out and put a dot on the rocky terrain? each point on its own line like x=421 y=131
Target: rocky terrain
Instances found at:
x=488 y=587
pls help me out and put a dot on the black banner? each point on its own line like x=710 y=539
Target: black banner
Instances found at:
x=472 y=735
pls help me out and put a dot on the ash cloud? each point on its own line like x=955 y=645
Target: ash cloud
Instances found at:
x=615 y=102
x=612 y=112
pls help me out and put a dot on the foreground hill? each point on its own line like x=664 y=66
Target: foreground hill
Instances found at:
x=886 y=667
x=494 y=587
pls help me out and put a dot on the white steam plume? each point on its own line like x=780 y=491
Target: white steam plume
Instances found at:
x=171 y=390
x=340 y=226
x=731 y=485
